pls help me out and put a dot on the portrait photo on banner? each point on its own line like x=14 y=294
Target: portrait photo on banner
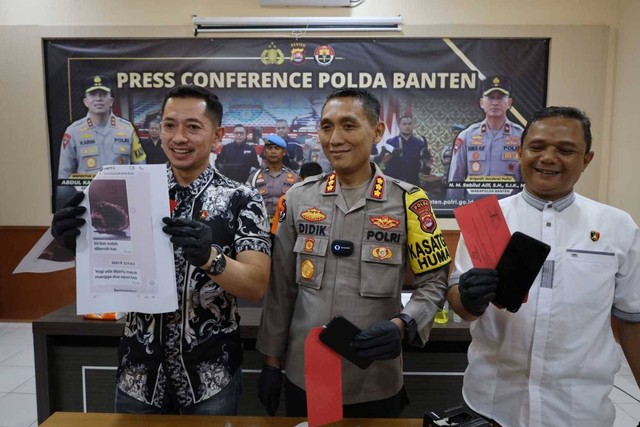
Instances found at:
x=454 y=109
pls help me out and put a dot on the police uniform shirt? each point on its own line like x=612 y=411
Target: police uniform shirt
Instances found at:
x=272 y=186
x=481 y=151
x=553 y=363
x=391 y=226
x=86 y=147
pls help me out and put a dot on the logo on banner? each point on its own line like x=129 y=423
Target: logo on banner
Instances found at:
x=272 y=55
x=324 y=55
x=297 y=53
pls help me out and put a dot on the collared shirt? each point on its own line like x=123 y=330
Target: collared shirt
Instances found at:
x=194 y=352
x=391 y=226
x=236 y=160
x=86 y=147
x=553 y=362
x=272 y=186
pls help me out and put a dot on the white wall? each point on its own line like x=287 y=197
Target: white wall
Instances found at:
x=589 y=69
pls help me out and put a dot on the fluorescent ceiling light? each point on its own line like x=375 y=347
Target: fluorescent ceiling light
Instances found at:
x=263 y=24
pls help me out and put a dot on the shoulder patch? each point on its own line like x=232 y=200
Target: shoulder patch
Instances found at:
x=426 y=247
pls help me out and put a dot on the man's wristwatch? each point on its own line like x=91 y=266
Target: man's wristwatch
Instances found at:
x=219 y=262
x=410 y=326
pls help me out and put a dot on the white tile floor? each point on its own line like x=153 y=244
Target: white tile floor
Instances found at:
x=18 y=385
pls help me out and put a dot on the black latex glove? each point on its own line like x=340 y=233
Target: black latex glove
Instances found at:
x=381 y=341
x=65 y=225
x=478 y=288
x=269 y=385
x=194 y=237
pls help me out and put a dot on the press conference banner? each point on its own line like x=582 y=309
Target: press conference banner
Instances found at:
x=435 y=81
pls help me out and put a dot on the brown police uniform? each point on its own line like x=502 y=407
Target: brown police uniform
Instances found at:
x=391 y=226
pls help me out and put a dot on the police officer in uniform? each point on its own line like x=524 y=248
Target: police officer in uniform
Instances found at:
x=273 y=179
x=385 y=226
x=488 y=148
x=101 y=138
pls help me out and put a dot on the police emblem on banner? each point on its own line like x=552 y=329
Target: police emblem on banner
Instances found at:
x=272 y=55
x=297 y=53
x=324 y=55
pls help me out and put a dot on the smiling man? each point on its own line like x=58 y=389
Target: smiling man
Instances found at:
x=382 y=225
x=189 y=361
x=553 y=362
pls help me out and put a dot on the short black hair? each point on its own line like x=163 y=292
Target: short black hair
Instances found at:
x=369 y=102
x=567 y=112
x=310 y=169
x=405 y=116
x=214 y=106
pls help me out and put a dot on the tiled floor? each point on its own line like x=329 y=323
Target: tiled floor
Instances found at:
x=18 y=387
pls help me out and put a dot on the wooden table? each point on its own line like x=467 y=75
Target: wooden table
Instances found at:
x=75 y=363
x=77 y=419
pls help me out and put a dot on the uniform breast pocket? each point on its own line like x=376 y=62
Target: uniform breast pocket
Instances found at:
x=588 y=277
x=310 y=260
x=476 y=161
x=122 y=154
x=90 y=159
x=382 y=270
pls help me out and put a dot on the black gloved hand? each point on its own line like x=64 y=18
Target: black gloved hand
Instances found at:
x=381 y=341
x=478 y=288
x=269 y=385
x=194 y=237
x=65 y=225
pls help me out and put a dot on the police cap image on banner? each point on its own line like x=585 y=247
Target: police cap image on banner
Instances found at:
x=342 y=247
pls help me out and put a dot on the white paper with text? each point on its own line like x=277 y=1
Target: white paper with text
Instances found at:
x=124 y=261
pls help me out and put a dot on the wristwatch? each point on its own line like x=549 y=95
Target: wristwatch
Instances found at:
x=410 y=326
x=219 y=262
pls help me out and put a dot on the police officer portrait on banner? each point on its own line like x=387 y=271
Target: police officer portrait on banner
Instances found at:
x=342 y=247
x=488 y=148
x=101 y=138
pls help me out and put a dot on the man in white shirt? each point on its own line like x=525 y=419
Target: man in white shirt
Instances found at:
x=553 y=362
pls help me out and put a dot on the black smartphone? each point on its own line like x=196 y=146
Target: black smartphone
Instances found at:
x=517 y=268
x=338 y=334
